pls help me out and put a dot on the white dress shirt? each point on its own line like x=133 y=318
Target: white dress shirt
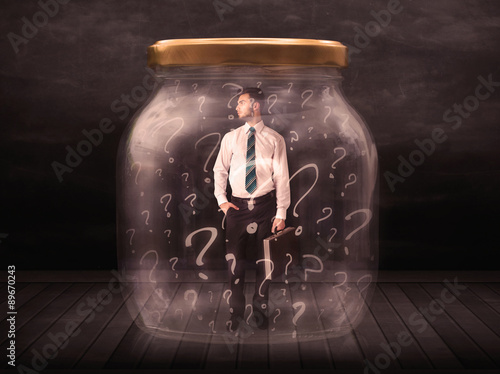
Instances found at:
x=271 y=166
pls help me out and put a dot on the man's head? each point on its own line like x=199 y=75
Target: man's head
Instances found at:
x=250 y=102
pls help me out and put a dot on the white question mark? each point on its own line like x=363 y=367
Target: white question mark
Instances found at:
x=329 y=112
x=290 y=85
x=313 y=270
x=177 y=82
x=158 y=171
x=195 y=297
x=276 y=316
x=310 y=92
x=294 y=138
x=133 y=232
x=213 y=150
x=251 y=312
x=368 y=213
x=154 y=267
x=302 y=306
x=195 y=86
x=229 y=293
x=338 y=160
x=169 y=195
x=365 y=287
x=199 y=259
x=350 y=183
x=315 y=167
x=187 y=176
x=231 y=257
x=268 y=273
x=240 y=89
x=201 y=100
x=212 y=325
x=274 y=102
x=324 y=210
x=258 y=84
x=193 y=197
x=147 y=216
x=138 y=169
x=286 y=266
x=162 y=124
x=345 y=280
x=334 y=233
x=174 y=260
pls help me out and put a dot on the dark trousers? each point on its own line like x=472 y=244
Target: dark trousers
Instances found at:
x=240 y=224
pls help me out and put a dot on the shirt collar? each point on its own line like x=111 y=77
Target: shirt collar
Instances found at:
x=258 y=127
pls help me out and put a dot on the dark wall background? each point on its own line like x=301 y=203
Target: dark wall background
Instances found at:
x=64 y=79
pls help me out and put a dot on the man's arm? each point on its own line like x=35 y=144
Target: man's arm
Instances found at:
x=281 y=184
x=221 y=172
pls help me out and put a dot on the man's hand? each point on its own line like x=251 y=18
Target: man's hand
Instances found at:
x=225 y=207
x=278 y=225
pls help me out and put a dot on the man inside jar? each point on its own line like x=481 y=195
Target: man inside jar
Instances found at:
x=253 y=158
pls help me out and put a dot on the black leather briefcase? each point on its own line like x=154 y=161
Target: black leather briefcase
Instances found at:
x=282 y=249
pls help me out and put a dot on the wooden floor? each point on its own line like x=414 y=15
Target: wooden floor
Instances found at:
x=461 y=336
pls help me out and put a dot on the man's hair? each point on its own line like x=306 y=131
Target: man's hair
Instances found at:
x=255 y=93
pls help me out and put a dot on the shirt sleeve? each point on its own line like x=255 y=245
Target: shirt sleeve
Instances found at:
x=281 y=179
x=221 y=170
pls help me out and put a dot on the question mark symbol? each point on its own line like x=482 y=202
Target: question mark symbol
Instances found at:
x=313 y=270
x=274 y=102
x=158 y=171
x=154 y=267
x=231 y=257
x=166 y=205
x=290 y=85
x=302 y=309
x=174 y=260
x=195 y=86
x=310 y=92
x=286 y=267
x=276 y=316
x=368 y=213
x=315 y=167
x=324 y=210
x=177 y=82
x=294 y=138
x=269 y=271
x=339 y=159
x=195 y=297
x=133 y=232
x=258 y=84
x=368 y=284
x=329 y=112
x=240 y=89
x=187 y=176
x=199 y=259
x=201 y=100
x=147 y=216
x=309 y=130
x=211 y=153
x=350 y=183
x=138 y=164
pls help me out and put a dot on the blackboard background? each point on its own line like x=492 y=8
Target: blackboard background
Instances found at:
x=64 y=79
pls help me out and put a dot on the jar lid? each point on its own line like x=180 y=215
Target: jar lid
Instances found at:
x=247 y=51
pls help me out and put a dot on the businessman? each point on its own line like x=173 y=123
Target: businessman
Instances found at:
x=253 y=159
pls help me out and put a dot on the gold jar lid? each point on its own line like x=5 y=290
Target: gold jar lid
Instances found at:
x=247 y=51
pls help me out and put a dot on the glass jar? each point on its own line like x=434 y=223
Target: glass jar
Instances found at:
x=171 y=231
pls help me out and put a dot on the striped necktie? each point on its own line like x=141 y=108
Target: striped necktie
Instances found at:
x=251 y=177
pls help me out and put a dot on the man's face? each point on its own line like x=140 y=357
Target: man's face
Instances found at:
x=245 y=105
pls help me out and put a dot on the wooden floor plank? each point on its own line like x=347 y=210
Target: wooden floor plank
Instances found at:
x=486 y=293
x=314 y=350
x=465 y=349
x=170 y=315
x=401 y=342
x=480 y=307
x=494 y=286
x=253 y=352
x=93 y=323
x=194 y=347
x=344 y=347
x=368 y=332
x=38 y=329
x=103 y=347
x=69 y=326
x=284 y=351
x=224 y=345
x=438 y=352
x=24 y=292
x=485 y=338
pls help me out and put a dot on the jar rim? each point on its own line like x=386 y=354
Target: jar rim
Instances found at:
x=247 y=51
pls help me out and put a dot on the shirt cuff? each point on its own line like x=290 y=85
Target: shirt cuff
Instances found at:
x=221 y=199
x=281 y=213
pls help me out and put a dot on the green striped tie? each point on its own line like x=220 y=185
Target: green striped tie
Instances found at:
x=251 y=177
